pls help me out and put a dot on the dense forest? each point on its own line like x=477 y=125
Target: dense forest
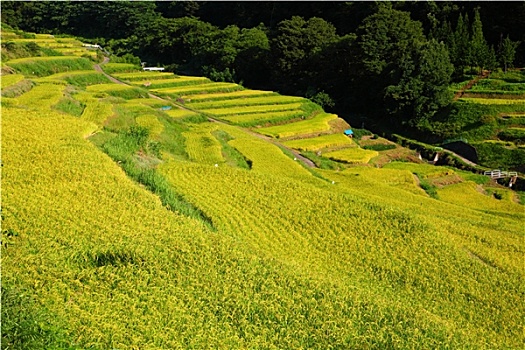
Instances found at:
x=388 y=63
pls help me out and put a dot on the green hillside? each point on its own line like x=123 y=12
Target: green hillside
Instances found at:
x=189 y=219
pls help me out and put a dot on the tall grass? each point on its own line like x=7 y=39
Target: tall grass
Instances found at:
x=44 y=66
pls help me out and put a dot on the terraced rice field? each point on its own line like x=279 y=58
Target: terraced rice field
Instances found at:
x=124 y=91
x=202 y=146
x=245 y=101
x=171 y=82
x=223 y=112
x=44 y=66
x=41 y=96
x=318 y=143
x=186 y=89
x=475 y=196
x=94 y=257
x=143 y=76
x=319 y=124
x=226 y=95
x=180 y=113
x=495 y=101
x=10 y=79
x=352 y=155
x=262 y=117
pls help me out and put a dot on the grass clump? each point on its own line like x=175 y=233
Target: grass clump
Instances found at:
x=71 y=106
x=124 y=147
x=44 y=66
x=230 y=154
x=111 y=68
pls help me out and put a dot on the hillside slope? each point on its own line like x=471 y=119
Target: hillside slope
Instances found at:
x=129 y=222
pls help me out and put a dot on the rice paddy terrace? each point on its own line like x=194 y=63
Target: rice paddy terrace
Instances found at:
x=174 y=212
x=490 y=114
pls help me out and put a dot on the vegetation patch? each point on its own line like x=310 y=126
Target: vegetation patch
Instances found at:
x=352 y=155
x=318 y=143
x=70 y=106
x=316 y=125
x=231 y=155
x=10 y=79
x=124 y=146
x=17 y=89
x=111 y=68
x=122 y=91
x=44 y=66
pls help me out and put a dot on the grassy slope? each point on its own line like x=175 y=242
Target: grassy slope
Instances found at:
x=365 y=261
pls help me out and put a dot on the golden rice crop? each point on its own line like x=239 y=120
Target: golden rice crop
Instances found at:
x=318 y=124
x=173 y=82
x=253 y=218
x=246 y=101
x=226 y=95
x=143 y=76
x=95 y=111
x=220 y=112
x=10 y=79
x=198 y=88
x=318 y=143
x=365 y=261
x=494 y=101
x=180 y=113
x=352 y=155
x=41 y=97
x=202 y=146
x=424 y=170
x=265 y=157
x=150 y=122
x=474 y=196
x=250 y=119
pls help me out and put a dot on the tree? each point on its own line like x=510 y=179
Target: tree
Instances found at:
x=408 y=75
x=297 y=43
x=508 y=52
x=480 y=55
x=434 y=71
x=461 y=52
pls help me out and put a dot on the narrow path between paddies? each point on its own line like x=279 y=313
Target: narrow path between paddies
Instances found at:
x=296 y=154
x=471 y=83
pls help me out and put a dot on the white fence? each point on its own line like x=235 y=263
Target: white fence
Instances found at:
x=498 y=174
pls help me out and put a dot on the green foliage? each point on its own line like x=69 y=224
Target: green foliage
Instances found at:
x=111 y=68
x=508 y=52
x=359 y=133
x=71 y=106
x=494 y=155
x=380 y=147
x=43 y=66
x=26 y=326
x=323 y=162
x=123 y=149
x=513 y=134
x=15 y=50
x=409 y=74
x=83 y=80
x=232 y=156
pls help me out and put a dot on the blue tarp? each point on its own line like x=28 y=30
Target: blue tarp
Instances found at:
x=165 y=108
x=349 y=132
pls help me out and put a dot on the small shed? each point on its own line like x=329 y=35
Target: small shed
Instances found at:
x=349 y=132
